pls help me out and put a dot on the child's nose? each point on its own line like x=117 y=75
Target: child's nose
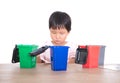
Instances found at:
x=57 y=36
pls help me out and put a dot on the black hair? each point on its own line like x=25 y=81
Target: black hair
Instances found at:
x=59 y=20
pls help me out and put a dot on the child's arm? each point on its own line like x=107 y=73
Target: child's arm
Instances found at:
x=38 y=59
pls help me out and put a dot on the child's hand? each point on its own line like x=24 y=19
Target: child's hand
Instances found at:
x=71 y=60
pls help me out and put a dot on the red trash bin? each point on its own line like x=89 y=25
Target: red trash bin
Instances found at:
x=93 y=56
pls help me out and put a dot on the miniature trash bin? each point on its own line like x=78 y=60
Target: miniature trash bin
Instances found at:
x=81 y=54
x=93 y=56
x=27 y=61
x=59 y=57
x=102 y=55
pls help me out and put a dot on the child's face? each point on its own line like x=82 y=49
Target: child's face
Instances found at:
x=58 y=36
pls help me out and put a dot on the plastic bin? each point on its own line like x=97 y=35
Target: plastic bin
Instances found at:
x=27 y=61
x=102 y=55
x=81 y=55
x=59 y=56
x=93 y=56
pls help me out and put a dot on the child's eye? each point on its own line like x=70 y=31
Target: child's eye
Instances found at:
x=62 y=33
x=53 y=32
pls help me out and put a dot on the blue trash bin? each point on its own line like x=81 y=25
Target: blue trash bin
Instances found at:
x=59 y=56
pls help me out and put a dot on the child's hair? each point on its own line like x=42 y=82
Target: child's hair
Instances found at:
x=59 y=20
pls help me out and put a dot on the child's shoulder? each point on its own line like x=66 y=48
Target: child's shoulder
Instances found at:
x=71 y=44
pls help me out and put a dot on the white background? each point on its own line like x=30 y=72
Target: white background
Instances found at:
x=94 y=22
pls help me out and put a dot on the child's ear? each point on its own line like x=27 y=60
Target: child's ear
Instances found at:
x=68 y=32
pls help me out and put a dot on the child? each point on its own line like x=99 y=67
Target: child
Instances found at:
x=60 y=27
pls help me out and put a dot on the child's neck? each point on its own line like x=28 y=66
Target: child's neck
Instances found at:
x=62 y=44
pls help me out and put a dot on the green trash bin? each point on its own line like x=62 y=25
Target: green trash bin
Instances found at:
x=27 y=61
